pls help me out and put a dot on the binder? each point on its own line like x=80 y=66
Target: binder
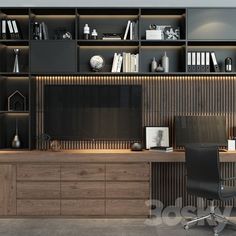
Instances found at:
x=214 y=61
x=4 y=29
x=189 y=62
x=198 y=61
x=10 y=28
x=203 y=62
x=194 y=62
x=131 y=31
x=16 y=29
x=208 y=68
x=127 y=30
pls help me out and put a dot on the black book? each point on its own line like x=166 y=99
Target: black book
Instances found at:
x=162 y=149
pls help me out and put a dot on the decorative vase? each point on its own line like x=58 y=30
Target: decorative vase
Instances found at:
x=16 y=140
x=16 y=63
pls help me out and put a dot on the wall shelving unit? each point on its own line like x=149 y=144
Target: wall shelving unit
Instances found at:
x=201 y=29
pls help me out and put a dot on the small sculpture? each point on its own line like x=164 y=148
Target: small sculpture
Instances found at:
x=16 y=102
x=16 y=68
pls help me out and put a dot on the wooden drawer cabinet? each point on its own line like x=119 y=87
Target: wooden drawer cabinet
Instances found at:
x=83 y=207
x=83 y=172
x=128 y=171
x=38 y=207
x=7 y=190
x=32 y=172
x=83 y=189
x=127 y=190
x=38 y=190
x=121 y=207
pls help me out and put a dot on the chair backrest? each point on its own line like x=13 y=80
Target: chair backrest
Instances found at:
x=203 y=171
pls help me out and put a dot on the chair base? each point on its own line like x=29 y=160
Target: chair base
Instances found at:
x=215 y=218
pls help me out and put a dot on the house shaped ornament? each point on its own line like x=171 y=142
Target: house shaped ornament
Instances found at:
x=16 y=102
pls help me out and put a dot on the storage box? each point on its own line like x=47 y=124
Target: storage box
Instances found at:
x=154 y=34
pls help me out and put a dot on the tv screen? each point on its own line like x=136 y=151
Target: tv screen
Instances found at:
x=93 y=112
x=206 y=130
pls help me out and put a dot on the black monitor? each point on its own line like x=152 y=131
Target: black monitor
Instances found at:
x=205 y=130
x=93 y=112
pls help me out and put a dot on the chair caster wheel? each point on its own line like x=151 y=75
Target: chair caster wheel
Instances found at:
x=186 y=227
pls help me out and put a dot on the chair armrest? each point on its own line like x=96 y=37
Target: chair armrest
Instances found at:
x=228 y=179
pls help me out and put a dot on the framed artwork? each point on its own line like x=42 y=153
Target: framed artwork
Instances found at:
x=156 y=136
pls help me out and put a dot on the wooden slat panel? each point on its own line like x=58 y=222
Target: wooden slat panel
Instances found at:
x=83 y=172
x=83 y=189
x=7 y=190
x=126 y=208
x=128 y=171
x=38 y=172
x=38 y=207
x=127 y=190
x=83 y=207
x=38 y=190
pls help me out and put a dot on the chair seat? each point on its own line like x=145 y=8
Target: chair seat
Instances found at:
x=228 y=192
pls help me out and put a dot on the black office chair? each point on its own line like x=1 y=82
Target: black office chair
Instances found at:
x=204 y=180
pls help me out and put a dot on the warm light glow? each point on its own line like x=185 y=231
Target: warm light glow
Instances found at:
x=108 y=16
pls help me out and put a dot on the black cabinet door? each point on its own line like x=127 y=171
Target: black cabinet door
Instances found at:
x=53 y=56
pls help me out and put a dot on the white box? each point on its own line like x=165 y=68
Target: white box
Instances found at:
x=231 y=145
x=154 y=34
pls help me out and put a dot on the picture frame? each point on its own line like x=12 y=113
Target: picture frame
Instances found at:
x=156 y=136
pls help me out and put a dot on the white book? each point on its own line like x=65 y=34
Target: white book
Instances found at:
x=137 y=63
x=124 y=62
x=133 y=56
x=119 y=64
x=114 y=62
x=10 y=27
x=131 y=30
x=4 y=31
x=15 y=27
x=127 y=30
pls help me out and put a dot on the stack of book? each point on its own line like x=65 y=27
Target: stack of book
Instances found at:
x=162 y=149
x=200 y=62
x=111 y=36
x=125 y=62
x=10 y=30
x=131 y=30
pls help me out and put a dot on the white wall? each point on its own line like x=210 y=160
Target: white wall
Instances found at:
x=117 y=3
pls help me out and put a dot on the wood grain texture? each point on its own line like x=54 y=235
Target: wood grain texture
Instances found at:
x=38 y=190
x=83 y=189
x=30 y=172
x=128 y=171
x=83 y=207
x=102 y=156
x=7 y=190
x=130 y=190
x=83 y=172
x=38 y=207
x=118 y=207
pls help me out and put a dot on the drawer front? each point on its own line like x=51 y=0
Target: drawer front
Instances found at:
x=83 y=172
x=126 y=208
x=128 y=171
x=38 y=190
x=83 y=207
x=83 y=189
x=38 y=207
x=38 y=172
x=127 y=190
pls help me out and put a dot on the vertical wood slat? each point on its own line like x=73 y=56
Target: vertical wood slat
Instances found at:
x=163 y=98
x=169 y=183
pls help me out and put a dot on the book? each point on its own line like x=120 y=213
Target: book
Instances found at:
x=131 y=31
x=189 y=62
x=16 y=29
x=127 y=30
x=119 y=64
x=208 y=69
x=111 y=36
x=198 y=57
x=10 y=29
x=45 y=31
x=214 y=61
x=114 y=64
x=203 y=61
x=162 y=149
x=4 y=29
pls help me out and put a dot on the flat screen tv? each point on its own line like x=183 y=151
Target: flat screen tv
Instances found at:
x=206 y=130
x=93 y=112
